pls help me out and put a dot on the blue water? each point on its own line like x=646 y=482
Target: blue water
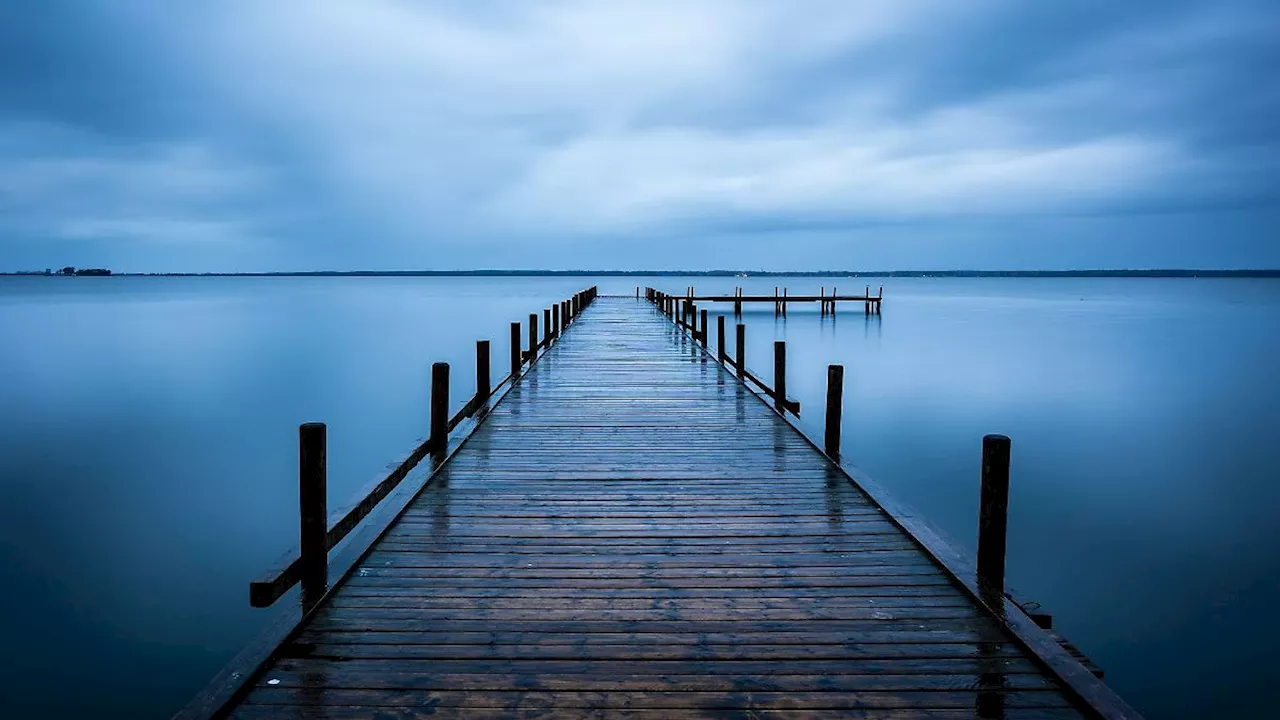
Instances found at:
x=148 y=454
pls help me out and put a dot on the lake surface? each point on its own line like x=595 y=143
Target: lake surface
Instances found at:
x=148 y=431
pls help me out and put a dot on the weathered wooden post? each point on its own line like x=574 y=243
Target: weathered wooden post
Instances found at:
x=720 y=350
x=533 y=336
x=483 y=386
x=546 y=325
x=835 y=403
x=555 y=320
x=780 y=375
x=313 y=497
x=742 y=348
x=784 y=302
x=439 y=437
x=516 y=361
x=993 y=513
x=703 y=335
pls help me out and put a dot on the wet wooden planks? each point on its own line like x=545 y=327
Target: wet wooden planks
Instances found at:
x=632 y=534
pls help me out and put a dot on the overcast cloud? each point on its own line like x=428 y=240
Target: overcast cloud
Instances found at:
x=310 y=134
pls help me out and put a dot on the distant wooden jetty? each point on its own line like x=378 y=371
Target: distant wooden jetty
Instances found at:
x=871 y=304
x=630 y=525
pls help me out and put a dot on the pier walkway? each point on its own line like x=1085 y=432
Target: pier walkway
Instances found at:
x=633 y=533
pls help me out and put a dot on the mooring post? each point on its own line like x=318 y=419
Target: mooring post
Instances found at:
x=835 y=403
x=784 y=302
x=439 y=437
x=704 y=329
x=555 y=320
x=483 y=386
x=515 y=351
x=313 y=509
x=546 y=325
x=533 y=336
x=780 y=375
x=822 y=301
x=720 y=351
x=742 y=348
x=993 y=513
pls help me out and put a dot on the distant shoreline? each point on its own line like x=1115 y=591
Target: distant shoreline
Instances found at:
x=1162 y=273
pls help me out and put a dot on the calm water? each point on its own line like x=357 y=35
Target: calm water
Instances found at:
x=148 y=450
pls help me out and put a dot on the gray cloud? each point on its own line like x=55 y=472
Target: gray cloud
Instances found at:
x=390 y=133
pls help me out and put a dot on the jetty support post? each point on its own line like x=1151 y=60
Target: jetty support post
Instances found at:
x=741 y=349
x=533 y=336
x=483 y=385
x=546 y=325
x=993 y=513
x=721 y=353
x=835 y=405
x=439 y=438
x=780 y=375
x=703 y=335
x=313 y=510
x=516 y=361
x=555 y=320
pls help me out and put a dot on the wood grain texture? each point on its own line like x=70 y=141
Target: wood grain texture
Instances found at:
x=632 y=533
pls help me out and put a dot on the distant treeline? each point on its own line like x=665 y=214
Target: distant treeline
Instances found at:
x=753 y=273
x=703 y=273
x=66 y=271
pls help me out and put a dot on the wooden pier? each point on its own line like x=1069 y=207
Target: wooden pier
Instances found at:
x=624 y=527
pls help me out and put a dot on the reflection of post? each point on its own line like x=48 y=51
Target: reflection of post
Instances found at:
x=991 y=681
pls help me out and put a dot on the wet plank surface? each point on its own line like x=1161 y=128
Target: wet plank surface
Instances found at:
x=632 y=534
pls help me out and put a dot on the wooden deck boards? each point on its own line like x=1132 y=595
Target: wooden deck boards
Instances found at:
x=632 y=534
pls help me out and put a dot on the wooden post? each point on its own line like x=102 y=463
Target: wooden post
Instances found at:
x=835 y=403
x=483 y=386
x=742 y=348
x=703 y=336
x=533 y=336
x=555 y=320
x=516 y=362
x=780 y=375
x=784 y=302
x=439 y=437
x=822 y=302
x=993 y=513
x=313 y=509
x=720 y=350
x=546 y=324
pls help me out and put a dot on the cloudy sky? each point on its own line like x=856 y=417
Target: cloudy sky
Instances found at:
x=804 y=134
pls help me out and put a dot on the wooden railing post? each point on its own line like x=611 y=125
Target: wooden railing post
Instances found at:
x=516 y=361
x=439 y=437
x=835 y=403
x=533 y=336
x=703 y=335
x=313 y=508
x=546 y=326
x=483 y=385
x=555 y=320
x=780 y=375
x=993 y=513
x=742 y=349
x=721 y=353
